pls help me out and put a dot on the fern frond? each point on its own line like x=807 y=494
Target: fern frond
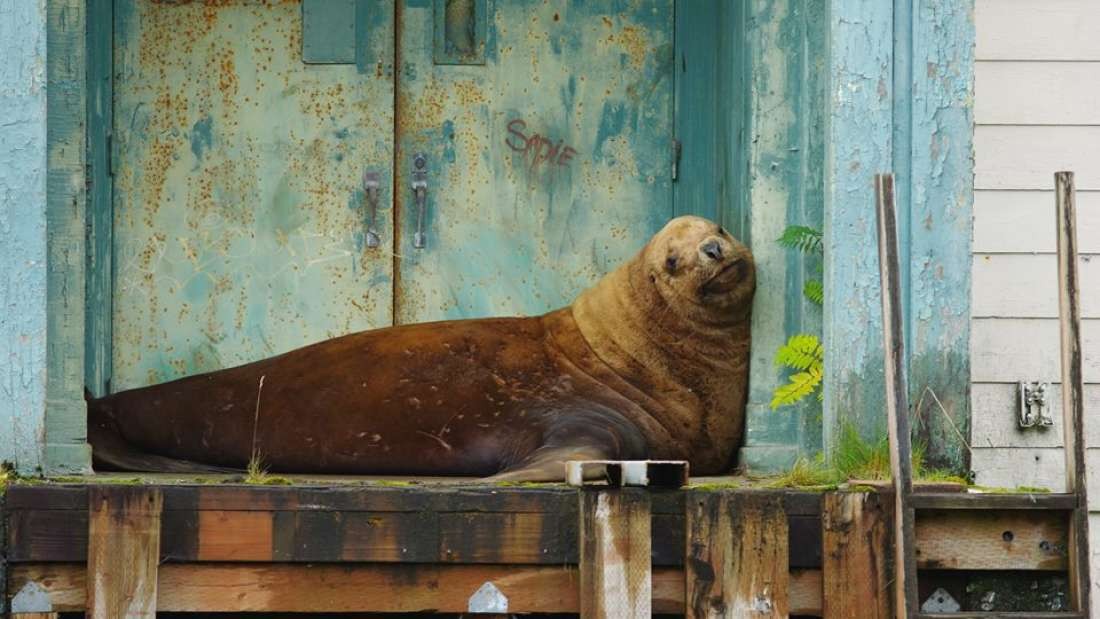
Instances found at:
x=801 y=352
x=803 y=238
x=800 y=385
x=814 y=291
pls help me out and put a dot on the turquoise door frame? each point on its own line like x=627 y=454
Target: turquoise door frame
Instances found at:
x=871 y=85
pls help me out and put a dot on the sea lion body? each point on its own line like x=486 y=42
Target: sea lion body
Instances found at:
x=626 y=372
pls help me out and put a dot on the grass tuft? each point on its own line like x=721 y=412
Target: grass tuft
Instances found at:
x=256 y=474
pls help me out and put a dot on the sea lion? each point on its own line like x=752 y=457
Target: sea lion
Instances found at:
x=651 y=362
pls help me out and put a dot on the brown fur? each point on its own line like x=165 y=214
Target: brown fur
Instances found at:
x=650 y=362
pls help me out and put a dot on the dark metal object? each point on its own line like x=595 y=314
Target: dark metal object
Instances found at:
x=420 y=192
x=370 y=189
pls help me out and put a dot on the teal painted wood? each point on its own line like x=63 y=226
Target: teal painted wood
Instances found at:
x=459 y=32
x=940 y=216
x=66 y=448
x=23 y=229
x=710 y=109
x=546 y=167
x=239 y=203
x=859 y=143
x=328 y=31
x=784 y=186
x=900 y=99
x=98 y=264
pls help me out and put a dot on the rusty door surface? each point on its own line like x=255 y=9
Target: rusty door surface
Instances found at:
x=239 y=211
x=246 y=134
x=546 y=135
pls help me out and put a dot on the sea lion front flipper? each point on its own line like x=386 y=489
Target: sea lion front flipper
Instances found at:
x=582 y=431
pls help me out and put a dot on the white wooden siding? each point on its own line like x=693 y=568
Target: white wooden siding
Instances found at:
x=1023 y=222
x=1037 y=30
x=1037 y=111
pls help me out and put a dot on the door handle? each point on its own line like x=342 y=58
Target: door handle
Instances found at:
x=370 y=190
x=420 y=193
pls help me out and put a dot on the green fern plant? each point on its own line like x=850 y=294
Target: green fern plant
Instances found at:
x=802 y=355
x=805 y=357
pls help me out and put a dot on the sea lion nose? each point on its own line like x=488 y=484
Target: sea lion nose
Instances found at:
x=712 y=250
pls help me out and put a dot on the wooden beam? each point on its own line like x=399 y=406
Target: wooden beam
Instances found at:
x=1073 y=388
x=897 y=399
x=736 y=564
x=35 y=615
x=991 y=540
x=123 y=551
x=615 y=570
x=255 y=587
x=855 y=533
x=960 y=500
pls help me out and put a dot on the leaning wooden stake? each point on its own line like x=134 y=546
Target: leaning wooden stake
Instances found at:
x=123 y=551
x=615 y=567
x=1073 y=407
x=737 y=562
x=897 y=400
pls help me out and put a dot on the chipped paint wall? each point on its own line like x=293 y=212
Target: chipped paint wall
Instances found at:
x=22 y=231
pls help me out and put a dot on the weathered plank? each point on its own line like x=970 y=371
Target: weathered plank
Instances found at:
x=991 y=540
x=397 y=588
x=35 y=615
x=615 y=571
x=1000 y=99
x=855 y=566
x=1073 y=389
x=736 y=564
x=1026 y=286
x=996 y=410
x=123 y=551
x=995 y=501
x=897 y=398
x=1027 y=30
x=1032 y=344
x=1020 y=221
x=1021 y=157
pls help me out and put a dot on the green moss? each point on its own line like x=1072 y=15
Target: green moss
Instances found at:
x=391 y=483
x=1016 y=490
x=715 y=486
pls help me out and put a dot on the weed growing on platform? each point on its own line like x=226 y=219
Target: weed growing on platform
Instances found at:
x=257 y=475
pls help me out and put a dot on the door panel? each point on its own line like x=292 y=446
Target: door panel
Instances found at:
x=239 y=211
x=546 y=166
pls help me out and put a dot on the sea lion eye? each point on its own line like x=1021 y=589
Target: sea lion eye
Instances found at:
x=670 y=264
x=721 y=231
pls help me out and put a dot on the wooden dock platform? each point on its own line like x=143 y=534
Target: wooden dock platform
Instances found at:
x=378 y=547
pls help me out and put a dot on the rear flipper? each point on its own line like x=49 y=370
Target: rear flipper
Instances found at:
x=591 y=432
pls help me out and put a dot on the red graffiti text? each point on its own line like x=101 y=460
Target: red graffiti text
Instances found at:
x=537 y=149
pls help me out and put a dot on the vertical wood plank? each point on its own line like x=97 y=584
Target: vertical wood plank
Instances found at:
x=897 y=399
x=615 y=567
x=1073 y=389
x=737 y=556
x=123 y=551
x=854 y=556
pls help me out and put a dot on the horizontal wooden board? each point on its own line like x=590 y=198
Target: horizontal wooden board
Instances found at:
x=1026 y=286
x=1037 y=30
x=985 y=500
x=372 y=588
x=993 y=417
x=1015 y=157
x=1007 y=350
x=309 y=535
x=1037 y=93
x=1042 y=467
x=1023 y=222
x=991 y=540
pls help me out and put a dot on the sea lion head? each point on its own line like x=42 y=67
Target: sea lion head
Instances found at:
x=700 y=270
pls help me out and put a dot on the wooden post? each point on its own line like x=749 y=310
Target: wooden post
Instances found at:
x=615 y=562
x=897 y=399
x=854 y=539
x=123 y=551
x=1073 y=407
x=737 y=562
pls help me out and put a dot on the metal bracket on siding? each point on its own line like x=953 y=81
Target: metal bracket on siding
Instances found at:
x=1034 y=410
x=677 y=151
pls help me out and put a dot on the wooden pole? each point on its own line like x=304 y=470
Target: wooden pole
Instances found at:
x=897 y=400
x=854 y=540
x=737 y=562
x=1073 y=407
x=615 y=564
x=123 y=551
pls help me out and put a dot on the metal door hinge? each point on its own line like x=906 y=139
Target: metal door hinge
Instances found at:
x=1034 y=410
x=677 y=149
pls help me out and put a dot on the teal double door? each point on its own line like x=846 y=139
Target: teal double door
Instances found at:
x=287 y=171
